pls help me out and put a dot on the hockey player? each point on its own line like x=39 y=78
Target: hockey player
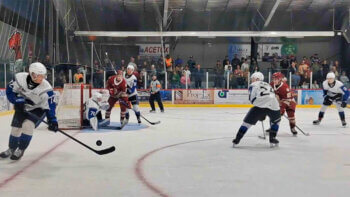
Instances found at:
x=286 y=100
x=335 y=92
x=117 y=92
x=265 y=103
x=29 y=92
x=131 y=82
x=92 y=111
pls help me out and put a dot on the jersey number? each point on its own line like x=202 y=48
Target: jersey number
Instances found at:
x=266 y=91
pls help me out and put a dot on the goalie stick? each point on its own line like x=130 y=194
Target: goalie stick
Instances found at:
x=99 y=152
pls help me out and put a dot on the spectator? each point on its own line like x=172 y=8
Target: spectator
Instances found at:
x=254 y=67
x=235 y=61
x=198 y=76
x=315 y=85
x=296 y=80
x=191 y=63
x=122 y=65
x=187 y=71
x=178 y=61
x=183 y=80
x=153 y=71
x=315 y=67
x=273 y=65
x=168 y=62
x=284 y=64
x=238 y=73
x=78 y=77
x=175 y=79
x=144 y=65
x=245 y=66
x=343 y=78
x=293 y=69
x=319 y=75
x=305 y=85
x=334 y=69
x=132 y=62
x=336 y=65
x=219 y=72
x=224 y=62
x=155 y=94
x=315 y=59
x=325 y=68
x=47 y=62
x=98 y=75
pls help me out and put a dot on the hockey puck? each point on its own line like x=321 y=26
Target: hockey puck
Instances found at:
x=98 y=143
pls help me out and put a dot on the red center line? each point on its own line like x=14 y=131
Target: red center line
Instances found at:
x=31 y=164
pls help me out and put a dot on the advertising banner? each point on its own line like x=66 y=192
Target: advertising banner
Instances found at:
x=144 y=95
x=311 y=97
x=194 y=97
x=152 y=49
x=231 y=97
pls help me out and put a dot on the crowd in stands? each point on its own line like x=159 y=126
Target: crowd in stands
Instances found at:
x=188 y=73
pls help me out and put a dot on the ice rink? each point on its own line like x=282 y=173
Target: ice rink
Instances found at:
x=189 y=154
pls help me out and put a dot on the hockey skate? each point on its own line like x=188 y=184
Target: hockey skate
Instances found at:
x=139 y=120
x=235 y=142
x=273 y=141
x=316 y=122
x=294 y=132
x=162 y=110
x=6 y=154
x=152 y=111
x=17 y=155
x=343 y=123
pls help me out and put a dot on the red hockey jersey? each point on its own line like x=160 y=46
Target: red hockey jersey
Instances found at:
x=283 y=91
x=115 y=88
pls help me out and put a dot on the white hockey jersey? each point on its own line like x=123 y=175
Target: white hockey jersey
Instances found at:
x=91 y=108
x=131 y=82
x=37 y=97
x=336 y=90
x=262 y=95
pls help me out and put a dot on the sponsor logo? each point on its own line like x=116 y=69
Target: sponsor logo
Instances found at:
x=222 y=94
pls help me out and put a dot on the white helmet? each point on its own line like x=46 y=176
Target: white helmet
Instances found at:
x=330 y=75
x=130 y=66
x=258 y=76
x=37 y=68
x=96 y=96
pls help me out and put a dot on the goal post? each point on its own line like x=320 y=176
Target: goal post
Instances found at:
x=71 y=105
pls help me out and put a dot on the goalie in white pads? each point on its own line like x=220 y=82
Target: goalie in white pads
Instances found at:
x=131 y=82
x=262 y=96
x=92 y=111
x=335 y=92
x=29 y=92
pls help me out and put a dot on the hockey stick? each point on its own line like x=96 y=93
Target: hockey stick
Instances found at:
x=306 y=134
x=263 y=129
x=152 y=123
x=99 y=152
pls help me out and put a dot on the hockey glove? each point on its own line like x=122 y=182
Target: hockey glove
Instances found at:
x=19 y=104
x=343 y=104
x=53 y=126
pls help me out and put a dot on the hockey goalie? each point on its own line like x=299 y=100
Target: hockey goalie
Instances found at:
x=92 y=111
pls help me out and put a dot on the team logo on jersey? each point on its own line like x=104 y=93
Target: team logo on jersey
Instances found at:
x=222 y=94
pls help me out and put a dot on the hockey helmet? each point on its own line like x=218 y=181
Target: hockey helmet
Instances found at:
x=258 y=76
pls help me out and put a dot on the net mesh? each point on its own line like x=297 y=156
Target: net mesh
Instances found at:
x=70 y=105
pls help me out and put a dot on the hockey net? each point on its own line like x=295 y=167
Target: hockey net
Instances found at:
x=71 y=105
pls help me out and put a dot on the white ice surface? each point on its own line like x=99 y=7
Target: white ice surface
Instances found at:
x=318 y=165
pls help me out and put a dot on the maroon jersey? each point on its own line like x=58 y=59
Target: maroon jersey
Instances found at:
x=115 y=88
x=283 y=91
